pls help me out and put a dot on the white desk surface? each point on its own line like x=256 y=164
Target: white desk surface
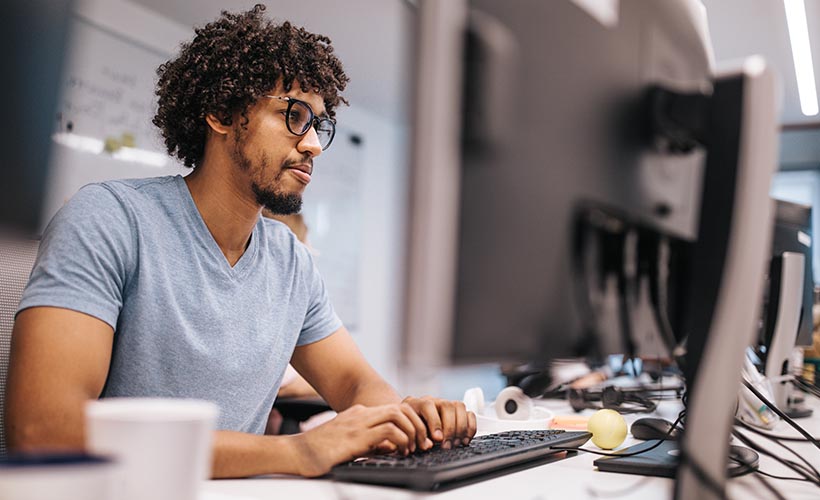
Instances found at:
x=571 y=478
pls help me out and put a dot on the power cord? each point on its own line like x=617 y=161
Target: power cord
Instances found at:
x=776 y=441
x=630 y=454
x=810 y=474
x=806 y=387
x=782 y=415
x=769 y=435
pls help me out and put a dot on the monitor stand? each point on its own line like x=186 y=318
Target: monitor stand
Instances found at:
x=663 y=461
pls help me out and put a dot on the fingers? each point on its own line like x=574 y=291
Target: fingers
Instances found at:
x=472 y=426
x=448 y=426
x=448 y=422
x=426 y=408
x=401 y=418
x=422 y=441
x=462 y=423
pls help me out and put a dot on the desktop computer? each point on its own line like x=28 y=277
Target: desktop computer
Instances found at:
x=792 y=233
x=787 y=309
x=585 y=184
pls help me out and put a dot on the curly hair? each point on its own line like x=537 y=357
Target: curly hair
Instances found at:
x=231 y=63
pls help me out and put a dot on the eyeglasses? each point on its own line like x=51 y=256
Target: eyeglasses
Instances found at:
x=299 y=117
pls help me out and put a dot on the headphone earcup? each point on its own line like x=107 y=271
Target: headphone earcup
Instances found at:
x=535 y=384
x=513 y=404
x=611 y=397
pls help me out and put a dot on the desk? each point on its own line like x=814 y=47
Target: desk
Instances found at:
x=571 y=478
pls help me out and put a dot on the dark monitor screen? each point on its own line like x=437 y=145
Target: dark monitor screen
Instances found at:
x=792 y=233
x=33 y=35
x=542 y=143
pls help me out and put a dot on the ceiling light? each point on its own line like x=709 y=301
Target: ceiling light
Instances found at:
x=801 y=52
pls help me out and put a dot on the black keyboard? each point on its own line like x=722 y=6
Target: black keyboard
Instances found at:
x=488 y=455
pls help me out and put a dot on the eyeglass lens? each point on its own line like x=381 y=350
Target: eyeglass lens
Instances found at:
x=301 y=117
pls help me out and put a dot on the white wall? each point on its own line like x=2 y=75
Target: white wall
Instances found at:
x=384 y=208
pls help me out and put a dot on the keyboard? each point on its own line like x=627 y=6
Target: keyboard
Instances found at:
x=485 y=457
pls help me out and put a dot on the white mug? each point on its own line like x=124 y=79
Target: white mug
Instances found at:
x=162 y=446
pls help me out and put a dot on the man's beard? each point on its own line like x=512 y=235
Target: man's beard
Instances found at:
x=277 y=203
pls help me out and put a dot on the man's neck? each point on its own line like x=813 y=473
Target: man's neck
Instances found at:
x=229 y=213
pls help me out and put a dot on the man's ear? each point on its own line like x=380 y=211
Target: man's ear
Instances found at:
x=216 y=124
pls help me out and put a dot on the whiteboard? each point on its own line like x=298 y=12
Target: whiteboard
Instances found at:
x=334 y=215
x=107 y=94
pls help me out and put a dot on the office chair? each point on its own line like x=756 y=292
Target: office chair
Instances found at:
x=16 y=260
x=296 y=410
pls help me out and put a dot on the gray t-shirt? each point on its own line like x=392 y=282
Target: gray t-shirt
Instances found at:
x=137 y=255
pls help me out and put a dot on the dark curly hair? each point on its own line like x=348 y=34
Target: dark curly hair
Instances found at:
x=231 y=63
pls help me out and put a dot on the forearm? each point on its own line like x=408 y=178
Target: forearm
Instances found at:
x=46 y=427
x=371 y=391
x=238 y=454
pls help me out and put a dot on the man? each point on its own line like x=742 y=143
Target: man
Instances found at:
x=176 y=287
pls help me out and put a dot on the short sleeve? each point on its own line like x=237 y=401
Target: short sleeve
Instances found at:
x=321 y=319
x=84 y=257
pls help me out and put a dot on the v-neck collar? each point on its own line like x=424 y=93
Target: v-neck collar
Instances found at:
x=203 y=234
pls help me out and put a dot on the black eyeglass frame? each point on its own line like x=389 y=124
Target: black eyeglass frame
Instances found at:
x=314 y=120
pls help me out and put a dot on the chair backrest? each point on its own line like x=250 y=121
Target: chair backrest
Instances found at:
x=16 y=260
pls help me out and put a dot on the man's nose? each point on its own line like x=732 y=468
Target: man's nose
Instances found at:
x=309 y=143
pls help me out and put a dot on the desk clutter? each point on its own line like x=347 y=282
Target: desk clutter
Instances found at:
x=514 y=410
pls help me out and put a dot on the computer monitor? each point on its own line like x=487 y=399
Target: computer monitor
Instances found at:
x=787 y=310
x=585 y=184
x=792 y=233
x=33 y=35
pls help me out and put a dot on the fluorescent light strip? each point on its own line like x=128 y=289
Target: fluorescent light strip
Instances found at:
x=801 y=52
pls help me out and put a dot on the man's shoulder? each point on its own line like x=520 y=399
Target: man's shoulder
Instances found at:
x=147 y=186
x=125 y=194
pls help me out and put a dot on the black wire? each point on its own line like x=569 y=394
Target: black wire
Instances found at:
x=799 y=468
x=783 y=478
x=630 y=454
x=806 y=387
x=808 y=472
x=816 y=473
x=771 y=436
x=701 y=474
x=787 y=463
x=782 y=415
x=769 y=487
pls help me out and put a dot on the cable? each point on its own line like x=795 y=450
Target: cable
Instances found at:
x=771 y=436
x=701 y=474
x=783 y=478
x=769 y=487
x=782 y=415
x=630 y=454
x=787 y=463
x=816 y=473
x=806 y=387
x=808 y=468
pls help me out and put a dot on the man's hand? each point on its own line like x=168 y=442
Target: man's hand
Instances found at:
x=448 y=422
x=360 y=431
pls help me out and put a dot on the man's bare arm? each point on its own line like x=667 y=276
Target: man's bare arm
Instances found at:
x=60 y=359
x=336 y=368
x=342 y=375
